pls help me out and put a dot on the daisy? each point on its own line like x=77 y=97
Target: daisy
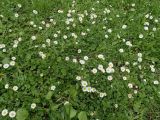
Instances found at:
x=156 y=21
x=12 y=114
x=6 y=86
x=129 y=95
x=127 y=70
x=78 y=78
x=35 y=12
x=5 y=66
x=139 y=59
x=123 y=69
x=74 y=60
x=16 y=15
x=145 y=28
x=156 y=82
x=100 y=67
x=12 y=63
x=121 y=50
x=146 y=23
x=67 y=58
x=106 y=36
x=124 y=78
x=79 y=50
x=55 y=42
x=130 y=85
x=140 y=35
x=4 y=112
x=154 y=29
x=147 y=16
x=139 y=54
x=53 y=87
x=65 y=36
x=109 y=77
x=47 y=25
x=100 y=56
x=133 y=4
x=116 y=105
x=128 y=43
x=48 y=40
x=89 y=89
x=109 y=70
x=33 y=105
x=84 y=89
x=15 y=88
x=82 y=62
x=55 y=35
x=33 y=37
x=153 y=69
x=84 y=83
x=135 y=91
x=85 y=57
x=19 y=5
x=124 y=26
x=102 y=95
x=109 y=30
x=93 y=89
x=94 y=70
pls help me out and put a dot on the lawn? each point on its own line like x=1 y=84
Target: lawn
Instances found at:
x=79 y=60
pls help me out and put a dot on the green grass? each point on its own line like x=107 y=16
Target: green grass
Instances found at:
x=34 y=75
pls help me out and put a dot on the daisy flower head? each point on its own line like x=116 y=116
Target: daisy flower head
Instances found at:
x=124 y=26
x=5 y=66
x=139 y=54
x=102 y=94
x=100 y=67
x=82 y=62
x=6 y=86
x=15 y=88
x=19 y=5
x=101 y=56
x=140 y=36
x=16 y=15
x=110 y=78
x=156 y=82
x=129 y=95
x=84 y=89
x=94 y=70
x=4 y=112
x=53 y=87
x=67 y=58
x=109 y=70
x=93 y=90
x=89 y=89
x=33 y=37
x=35 y=12
x=130 y=85
x=84 y=83
x=12 y=63
x=78 y=78
x=33 y=105
x=86 y=58
x=12 y=114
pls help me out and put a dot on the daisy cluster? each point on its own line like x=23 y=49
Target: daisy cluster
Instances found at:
x=94 y=49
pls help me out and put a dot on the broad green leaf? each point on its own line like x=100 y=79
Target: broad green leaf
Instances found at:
x=73 y=92
x=137 y=106
x=71 y=112
x=82 y=115
x=49 y=95
x=22 y=114
x=54 y=107
x=5 y=60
